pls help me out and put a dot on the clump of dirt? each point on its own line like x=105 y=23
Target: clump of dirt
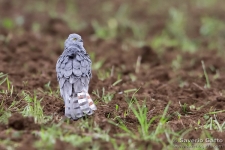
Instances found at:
x=148 y=55
x=52 y=105
x=64 y=145
x=57 y=27
x=27 y=142
x=2 y=127
x=18 y=122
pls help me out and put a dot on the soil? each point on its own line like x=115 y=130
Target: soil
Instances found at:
x=18 y=122
x=29 y=59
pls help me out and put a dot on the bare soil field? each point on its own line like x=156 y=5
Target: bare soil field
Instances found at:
x=129 y=65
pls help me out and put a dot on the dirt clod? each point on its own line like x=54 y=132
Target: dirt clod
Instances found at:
x=18 y=122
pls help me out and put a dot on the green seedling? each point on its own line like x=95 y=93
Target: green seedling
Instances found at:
x=130 y=90
x=192 y=107
x=141 y=114
x=213 y=124
x=117 y=107
x=132 y=77
x=206 y=75
x=7 y=23
x=178 y=115
x=48 y=87
x=4 y=114
x=96 y=65
x=117 y=146
x=105 y=97
x=103 y=74
x=176 y=63
x=34 y=108
x=117 y=82
x=138 y=64
x=122 y=126
x=126 y=112
x=184 y=108
x=3 y=78
x=8 y=83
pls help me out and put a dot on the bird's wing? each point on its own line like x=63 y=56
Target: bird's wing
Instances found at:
x=64 y=71
x=81 y=71
x=75 y=71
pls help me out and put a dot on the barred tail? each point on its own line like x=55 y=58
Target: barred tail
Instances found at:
x=86 y=103
x=79 y=105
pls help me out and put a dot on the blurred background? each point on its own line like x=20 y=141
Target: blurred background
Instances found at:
x=187 y=25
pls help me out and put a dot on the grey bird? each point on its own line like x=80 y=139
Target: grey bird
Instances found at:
x=73 y=74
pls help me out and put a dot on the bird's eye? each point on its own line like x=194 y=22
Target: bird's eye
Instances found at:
x=74 y=39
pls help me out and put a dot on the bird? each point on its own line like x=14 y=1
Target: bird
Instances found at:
x=73 y=70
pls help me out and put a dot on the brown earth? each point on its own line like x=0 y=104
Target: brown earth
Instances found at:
x=29 y=59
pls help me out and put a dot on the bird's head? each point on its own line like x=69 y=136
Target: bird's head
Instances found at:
x=74 y=39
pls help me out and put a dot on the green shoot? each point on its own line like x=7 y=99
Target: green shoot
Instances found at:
x=206 y=75
x=184 y=108
x=138 y=64
x=122 y=126
x=102 y=75
x=7 y=23
x=130 y=90
x=141 y=114
x=213 y=124
x=117 y=107
x=105 y=97
x=48 y=87
x=4 y=114
x=8 y=83
x=162 y=121
x=34 y=108
x=117 y=82
x=4 y=76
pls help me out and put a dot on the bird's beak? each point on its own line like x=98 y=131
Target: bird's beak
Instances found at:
x=80 y=40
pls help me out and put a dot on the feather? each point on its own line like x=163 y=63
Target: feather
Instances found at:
x=77 y=86
x=67 y=88
x=62 y=66
x=84 y=70
x=77 y=72
x=76 y=63
x=79 y=57
x=61 y=82
x=72 y=79
x=68 y=73
x=84 y=81
x=69 y=65
x=61 y=92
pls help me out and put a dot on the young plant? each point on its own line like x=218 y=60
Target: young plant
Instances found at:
x=103 y=74
x=206 y=75
x=213 y=124
x=120 y=123
x=8 y=83
x=4 y=114
x=105 y=97
x=184 y=108
x=141 y=114
x=117 y=82
x=48 y=87
x=34 y=108
x=117 y=107
x=3 y=78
